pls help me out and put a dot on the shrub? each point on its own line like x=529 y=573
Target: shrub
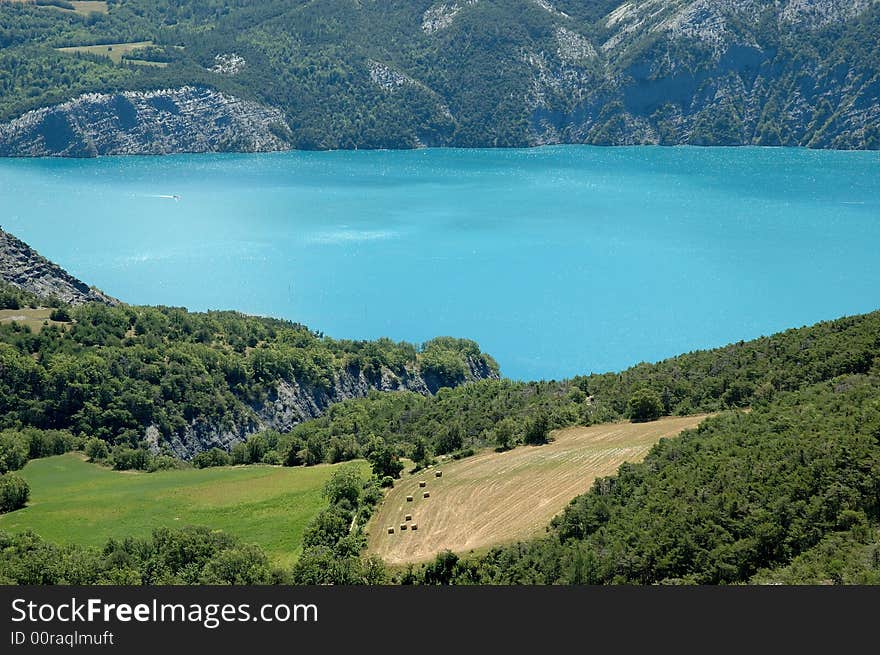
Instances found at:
x=14 y=492
x=126 y=459
x=213 y=457
x=163 y=463
x=96 y=449
x=14 y=451
x=60 y=315
x=461 y=454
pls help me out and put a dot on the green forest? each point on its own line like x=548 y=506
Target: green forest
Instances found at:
x=496 y=73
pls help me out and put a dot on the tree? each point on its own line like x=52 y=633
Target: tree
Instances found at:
x=504 y=434
x=293 y=452
x=314 y=451
x=442 y=570
x=421 y=454
x=451 y=439
x=644 y=405
x=345 y=485
x=327 y=528
x=256 y=448
x=343 y=449
x=240 y=454
x=383 y=459
x=537 y=429
x=14 y=492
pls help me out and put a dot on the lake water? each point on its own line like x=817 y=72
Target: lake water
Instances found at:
x=559 y=260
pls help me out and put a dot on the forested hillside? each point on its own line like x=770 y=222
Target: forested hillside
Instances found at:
x=789 y=492
x=407 y=73
x=504 y=413
x=181 y=382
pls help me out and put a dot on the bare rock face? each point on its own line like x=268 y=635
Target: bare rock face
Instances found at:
x=23 y=267
x=292 y=403
x=188 y=119
x=388 y=78
x=440 y=16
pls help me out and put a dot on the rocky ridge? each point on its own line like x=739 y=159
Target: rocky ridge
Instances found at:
x=23 y=267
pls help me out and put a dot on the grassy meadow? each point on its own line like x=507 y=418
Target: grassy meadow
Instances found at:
x=74 y=501
x=115 y=51
x=34 y=318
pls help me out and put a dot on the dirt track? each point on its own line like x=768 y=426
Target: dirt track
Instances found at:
x=494 y=498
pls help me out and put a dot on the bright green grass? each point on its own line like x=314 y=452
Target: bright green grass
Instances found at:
x=73 y=501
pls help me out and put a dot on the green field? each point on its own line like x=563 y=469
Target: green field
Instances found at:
x=81 y=7
x=73 y=501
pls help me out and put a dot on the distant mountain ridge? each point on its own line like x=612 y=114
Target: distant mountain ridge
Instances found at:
x=24 y=268
x=464 y=73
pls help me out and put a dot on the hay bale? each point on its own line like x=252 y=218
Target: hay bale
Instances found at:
x=427 y=494
x=409 y=499
x=438 y=474
x=408 y=517
x=422 y=483
x=402 y=527
x=390 y=530
x=414 y=526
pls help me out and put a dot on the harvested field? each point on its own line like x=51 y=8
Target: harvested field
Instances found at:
x=494 y=498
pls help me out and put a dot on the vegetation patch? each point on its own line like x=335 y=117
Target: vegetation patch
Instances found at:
x=116 y=52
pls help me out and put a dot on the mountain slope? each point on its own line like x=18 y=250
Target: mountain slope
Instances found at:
x=404 y=74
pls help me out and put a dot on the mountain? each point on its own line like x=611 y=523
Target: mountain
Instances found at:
x=275 y=74
x=24 y=268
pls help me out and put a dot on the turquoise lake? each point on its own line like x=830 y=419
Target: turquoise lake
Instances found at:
x=559 y=260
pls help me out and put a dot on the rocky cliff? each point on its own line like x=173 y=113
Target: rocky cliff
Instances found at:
x=712 y=72
x=23 y=267
x=292 y=403
x=187 y=119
